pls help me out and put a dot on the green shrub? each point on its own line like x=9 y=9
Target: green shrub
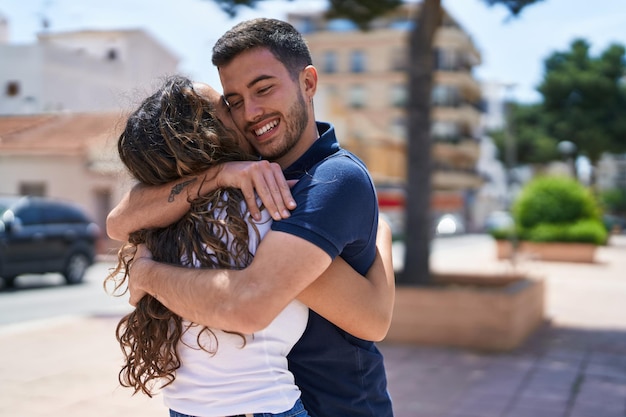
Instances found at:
x=558 y=209
x=547 y=232
x=588 y=231
x=554 y=200
x=583 y=231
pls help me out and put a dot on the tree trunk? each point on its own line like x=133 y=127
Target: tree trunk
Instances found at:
x=418 y=215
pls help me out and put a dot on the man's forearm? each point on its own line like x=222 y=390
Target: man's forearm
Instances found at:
x=245 y=300
x=210 y=297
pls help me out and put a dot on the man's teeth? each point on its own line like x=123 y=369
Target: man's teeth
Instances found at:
x=265 y=128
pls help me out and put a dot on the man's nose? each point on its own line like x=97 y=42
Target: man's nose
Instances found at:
x=252 y=110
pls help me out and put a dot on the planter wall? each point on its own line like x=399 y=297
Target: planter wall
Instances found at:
x=549 y=251
x=486 y=313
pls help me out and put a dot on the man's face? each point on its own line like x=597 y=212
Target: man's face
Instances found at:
x=266 y=104
x=223 y=113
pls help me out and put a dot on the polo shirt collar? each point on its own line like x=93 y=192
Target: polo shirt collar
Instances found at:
x=324 y=146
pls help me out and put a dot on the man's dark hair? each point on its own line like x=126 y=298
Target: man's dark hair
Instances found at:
x=281 y=38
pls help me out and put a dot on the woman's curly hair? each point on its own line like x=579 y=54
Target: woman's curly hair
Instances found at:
x=172 y=135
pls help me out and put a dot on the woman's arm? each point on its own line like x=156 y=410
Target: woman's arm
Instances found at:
x=159 y=206
x=362 y=307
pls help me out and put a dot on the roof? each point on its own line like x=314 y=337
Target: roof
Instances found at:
x=58 y=133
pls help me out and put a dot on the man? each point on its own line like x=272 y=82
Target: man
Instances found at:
x=269 y=83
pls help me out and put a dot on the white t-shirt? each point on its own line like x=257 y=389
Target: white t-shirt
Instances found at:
x=238 y=380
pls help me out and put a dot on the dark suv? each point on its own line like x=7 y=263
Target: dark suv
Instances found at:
x=40 y=235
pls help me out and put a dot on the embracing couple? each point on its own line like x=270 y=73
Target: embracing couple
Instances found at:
x=255 y=259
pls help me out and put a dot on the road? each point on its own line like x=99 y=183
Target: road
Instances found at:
x=38 y=297
x=463 y=246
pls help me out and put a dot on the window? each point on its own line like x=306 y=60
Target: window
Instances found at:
x=357 y=96
x=330 y=62
x=29 y=215
x=112 y=54
x=399 y=59
x=402 y=24
x=33 y=188
x=357 y=61
x=57 y=213
x=447 y=60
x=12 y=88
x=445 y=131
x=341 y=25
x=399 y=95
x=445 y=96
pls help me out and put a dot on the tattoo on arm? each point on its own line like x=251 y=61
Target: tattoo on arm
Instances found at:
x=178 y=188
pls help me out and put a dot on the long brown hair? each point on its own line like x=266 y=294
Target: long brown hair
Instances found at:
x=174 y=134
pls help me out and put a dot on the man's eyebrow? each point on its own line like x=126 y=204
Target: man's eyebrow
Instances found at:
x=250 y=84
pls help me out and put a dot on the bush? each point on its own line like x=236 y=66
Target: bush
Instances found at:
x=554 y=200
x=583 y=231
x=556 y=209
x=588 y=231
x=547 y=232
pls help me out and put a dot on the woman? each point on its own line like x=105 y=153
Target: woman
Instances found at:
x=208 y=372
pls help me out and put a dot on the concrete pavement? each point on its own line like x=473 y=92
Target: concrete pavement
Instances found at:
x=575 y=366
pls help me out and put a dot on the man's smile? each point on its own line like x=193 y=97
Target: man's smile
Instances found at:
x=266 y=128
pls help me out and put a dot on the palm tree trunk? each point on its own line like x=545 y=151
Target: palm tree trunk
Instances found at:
x=418 y=215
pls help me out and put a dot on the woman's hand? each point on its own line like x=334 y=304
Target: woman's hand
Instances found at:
x=264 y=178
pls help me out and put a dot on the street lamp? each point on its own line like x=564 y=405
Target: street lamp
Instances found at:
x=510 y=155
x=511 y=161
x=568 y=150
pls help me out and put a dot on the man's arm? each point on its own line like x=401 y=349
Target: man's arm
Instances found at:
x=361 y=307
x=244 y=300
x=159 y=206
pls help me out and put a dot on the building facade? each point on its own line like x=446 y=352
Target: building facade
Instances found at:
x=81 y=71
x=611 y=172
x=63 y=101
x=363 y=90
x=71 y=156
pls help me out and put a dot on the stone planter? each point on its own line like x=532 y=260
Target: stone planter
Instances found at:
x=549 y=251
x=485 y=313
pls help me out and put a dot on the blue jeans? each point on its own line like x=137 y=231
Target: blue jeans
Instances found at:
x=297 y=411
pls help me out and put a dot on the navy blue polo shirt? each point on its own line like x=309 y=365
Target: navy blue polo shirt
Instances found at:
x=339 y=375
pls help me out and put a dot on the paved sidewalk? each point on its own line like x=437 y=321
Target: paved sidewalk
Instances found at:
x=575 y=366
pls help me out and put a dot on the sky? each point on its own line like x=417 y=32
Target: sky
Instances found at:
x=513 y=49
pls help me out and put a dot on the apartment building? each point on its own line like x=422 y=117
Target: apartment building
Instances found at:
x=363 y=90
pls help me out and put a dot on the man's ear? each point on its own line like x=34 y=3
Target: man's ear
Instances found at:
x=309 y=80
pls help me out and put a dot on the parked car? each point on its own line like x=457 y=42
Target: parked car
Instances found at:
x=41 y=235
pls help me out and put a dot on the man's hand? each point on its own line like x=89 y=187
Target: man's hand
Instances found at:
x=142 y=257
x=266 y=179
